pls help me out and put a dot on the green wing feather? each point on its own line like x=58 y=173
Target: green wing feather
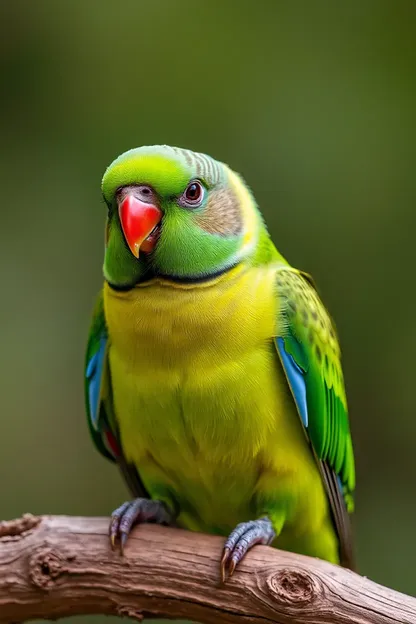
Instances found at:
x=308 y=344
x=97 y=386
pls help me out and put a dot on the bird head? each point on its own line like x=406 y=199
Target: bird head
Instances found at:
x=176 y=214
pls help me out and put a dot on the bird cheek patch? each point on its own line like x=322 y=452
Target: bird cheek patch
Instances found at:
x=222 y=214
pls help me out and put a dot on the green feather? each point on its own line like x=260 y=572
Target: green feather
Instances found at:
x=310 y=338
x=97 y=333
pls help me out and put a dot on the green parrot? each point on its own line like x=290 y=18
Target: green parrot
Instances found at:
x=213 y=375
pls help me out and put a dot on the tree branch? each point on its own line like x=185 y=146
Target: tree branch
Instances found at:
x=57 y=566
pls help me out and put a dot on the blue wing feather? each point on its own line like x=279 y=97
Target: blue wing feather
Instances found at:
x=296 y=380
x=94 y=374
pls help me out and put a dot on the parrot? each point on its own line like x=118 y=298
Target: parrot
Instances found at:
x=213 y=376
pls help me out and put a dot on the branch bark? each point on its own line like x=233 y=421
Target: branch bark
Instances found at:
x=58 y=566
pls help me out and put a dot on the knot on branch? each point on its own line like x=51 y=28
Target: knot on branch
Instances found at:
x=14 y=529
x=45 y=567
x=295 y=587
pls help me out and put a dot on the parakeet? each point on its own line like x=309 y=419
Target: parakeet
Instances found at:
x=213 y=374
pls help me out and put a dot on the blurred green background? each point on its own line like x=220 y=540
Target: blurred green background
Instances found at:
x=314 y=103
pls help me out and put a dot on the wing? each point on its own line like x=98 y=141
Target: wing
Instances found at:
x=98 y=400
x=310 y=355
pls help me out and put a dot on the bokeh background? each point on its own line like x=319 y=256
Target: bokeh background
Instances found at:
x=314 y=103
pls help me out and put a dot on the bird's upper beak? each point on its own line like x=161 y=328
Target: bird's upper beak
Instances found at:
x=140 y=222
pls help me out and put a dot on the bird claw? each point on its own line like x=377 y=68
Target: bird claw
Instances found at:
x=232 y=567
x=244 y=537
x=224 y=560
x=113 y=541
x=128 y=514
x=123 y=540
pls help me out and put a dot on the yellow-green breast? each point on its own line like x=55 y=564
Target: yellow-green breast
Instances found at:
x=202 y=403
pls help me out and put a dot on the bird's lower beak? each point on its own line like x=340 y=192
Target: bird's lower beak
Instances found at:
x=140 y=222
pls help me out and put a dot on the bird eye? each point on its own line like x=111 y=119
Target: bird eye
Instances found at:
x=193 y=195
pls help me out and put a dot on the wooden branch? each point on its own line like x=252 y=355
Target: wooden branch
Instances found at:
x=59 y=566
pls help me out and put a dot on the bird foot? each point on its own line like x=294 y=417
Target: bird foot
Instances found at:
x=128 y=514
x=244 y=537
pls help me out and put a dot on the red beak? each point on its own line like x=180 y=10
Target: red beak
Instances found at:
x=139 y=221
